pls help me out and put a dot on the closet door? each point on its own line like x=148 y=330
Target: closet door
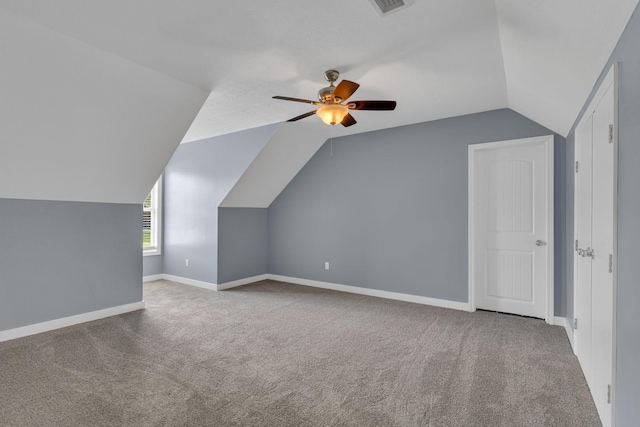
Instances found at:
x=594 y=258
x=602 y=261
x=582 y=277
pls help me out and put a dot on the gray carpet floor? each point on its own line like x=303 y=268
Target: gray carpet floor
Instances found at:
x=276 y=354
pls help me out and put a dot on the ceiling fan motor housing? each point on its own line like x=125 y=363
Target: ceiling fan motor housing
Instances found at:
x=326 y=93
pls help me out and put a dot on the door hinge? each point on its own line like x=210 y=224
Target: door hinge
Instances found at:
x=610 y=263
x=609 y=393
x=610 y=134
x=575 y=323
x=576 y=245
x=576 y=167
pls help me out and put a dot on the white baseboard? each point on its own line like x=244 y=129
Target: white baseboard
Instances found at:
x=50 y=325
x=212 y=286
x=152 y=278
x=191 y=282
x=241 y=282
x=563 y=321
x=455 y=305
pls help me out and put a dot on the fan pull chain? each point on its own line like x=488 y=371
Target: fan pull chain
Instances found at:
x=331 y=142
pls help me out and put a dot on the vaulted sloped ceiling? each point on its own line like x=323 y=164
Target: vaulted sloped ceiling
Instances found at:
x=81 y=124
x=111 y=81
x=554 y=51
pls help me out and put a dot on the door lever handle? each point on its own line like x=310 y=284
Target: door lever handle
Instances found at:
x=540 y=243
x=586 y=253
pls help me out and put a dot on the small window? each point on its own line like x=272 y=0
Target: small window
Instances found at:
x=151 y=220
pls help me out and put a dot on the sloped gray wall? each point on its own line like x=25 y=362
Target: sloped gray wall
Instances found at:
x=196 y=180
x=388 y=209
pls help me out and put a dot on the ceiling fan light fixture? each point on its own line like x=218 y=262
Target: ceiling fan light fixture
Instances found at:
x=330 y=99
x=332 y=114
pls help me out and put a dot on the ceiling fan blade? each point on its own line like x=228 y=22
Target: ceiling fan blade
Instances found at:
x=286 y=98
x=372 y=105
x=302 y=116
x=348 y=121
x=345 y=89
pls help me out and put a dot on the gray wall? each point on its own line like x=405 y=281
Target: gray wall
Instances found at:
x=559 y=218
x=196 y=180
x=389 y=209
x=569 y=239
x=627 y=391
x=152 y=265
x=59 y=259
x=242 y=243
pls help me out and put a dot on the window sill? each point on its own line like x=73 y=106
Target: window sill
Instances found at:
x=151 y=252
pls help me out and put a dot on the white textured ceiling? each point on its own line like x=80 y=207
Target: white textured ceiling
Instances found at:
x=436 y=58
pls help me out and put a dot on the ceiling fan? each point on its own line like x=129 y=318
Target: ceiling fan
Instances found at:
x=330 y=100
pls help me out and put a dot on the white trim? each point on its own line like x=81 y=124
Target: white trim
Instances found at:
x=564 y=322
x=455 y=305
x=156 y=211
x=236 y=283
x=551 y=242
x=548 y=141
x=191 y=282
x=50 y=325
x=206 y=285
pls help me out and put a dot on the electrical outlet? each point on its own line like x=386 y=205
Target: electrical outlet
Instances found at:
x=186 y=262
x=326 y=265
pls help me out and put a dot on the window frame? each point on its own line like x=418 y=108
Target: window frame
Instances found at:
x=156 y=220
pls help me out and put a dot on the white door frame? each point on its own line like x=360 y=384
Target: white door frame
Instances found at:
x=547 y=140
x=610 y=79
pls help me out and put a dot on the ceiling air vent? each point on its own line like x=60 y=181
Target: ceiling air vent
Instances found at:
x=386 y=7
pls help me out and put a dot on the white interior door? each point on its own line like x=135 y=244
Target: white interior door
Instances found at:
x=511 y=225
x=583 y=208
x=595 y=250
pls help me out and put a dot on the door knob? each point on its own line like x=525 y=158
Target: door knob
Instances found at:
x=540 y=243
